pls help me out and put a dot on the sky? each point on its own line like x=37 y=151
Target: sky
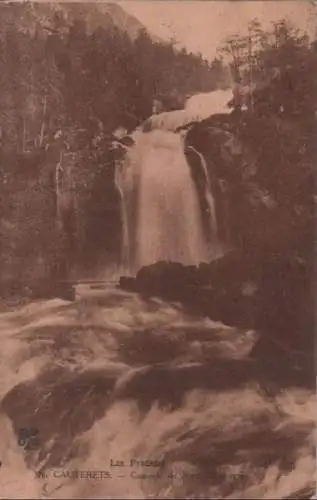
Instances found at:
x=201 y=25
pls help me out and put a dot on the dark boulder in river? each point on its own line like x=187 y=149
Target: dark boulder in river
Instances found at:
x=272 y=295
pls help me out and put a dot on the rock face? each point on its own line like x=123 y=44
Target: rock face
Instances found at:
x=261 y=175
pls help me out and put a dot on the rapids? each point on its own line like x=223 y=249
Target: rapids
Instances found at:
x=113 y=377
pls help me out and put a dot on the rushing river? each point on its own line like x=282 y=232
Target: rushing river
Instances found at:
x=133 y=398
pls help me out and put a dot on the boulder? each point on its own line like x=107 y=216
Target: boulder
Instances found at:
x=270 y=293
x=127 y=283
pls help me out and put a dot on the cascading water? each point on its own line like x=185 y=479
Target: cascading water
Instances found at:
x=161 y=213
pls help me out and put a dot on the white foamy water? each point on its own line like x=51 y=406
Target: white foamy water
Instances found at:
x=64 y=356
x=197 y=108
x=164 y=213
x=209 y=103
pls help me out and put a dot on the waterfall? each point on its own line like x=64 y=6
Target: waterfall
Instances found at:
x=161 y=214
x=162 y=219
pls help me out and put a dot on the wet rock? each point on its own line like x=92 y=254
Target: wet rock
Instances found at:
x=270 y=294
x=127 y=283
x=165 y=277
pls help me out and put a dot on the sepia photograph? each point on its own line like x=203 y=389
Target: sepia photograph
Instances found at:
x=157 y=249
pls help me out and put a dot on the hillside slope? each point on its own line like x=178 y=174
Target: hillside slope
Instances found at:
x=61 y=15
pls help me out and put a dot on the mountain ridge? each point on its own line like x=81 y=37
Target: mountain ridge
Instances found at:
x=61 y=15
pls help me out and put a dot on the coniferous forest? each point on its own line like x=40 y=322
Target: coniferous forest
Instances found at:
x=71 y=74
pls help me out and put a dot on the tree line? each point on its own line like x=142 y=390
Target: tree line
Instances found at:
x=56 y=74
x=65 y=87
x=274 y=70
